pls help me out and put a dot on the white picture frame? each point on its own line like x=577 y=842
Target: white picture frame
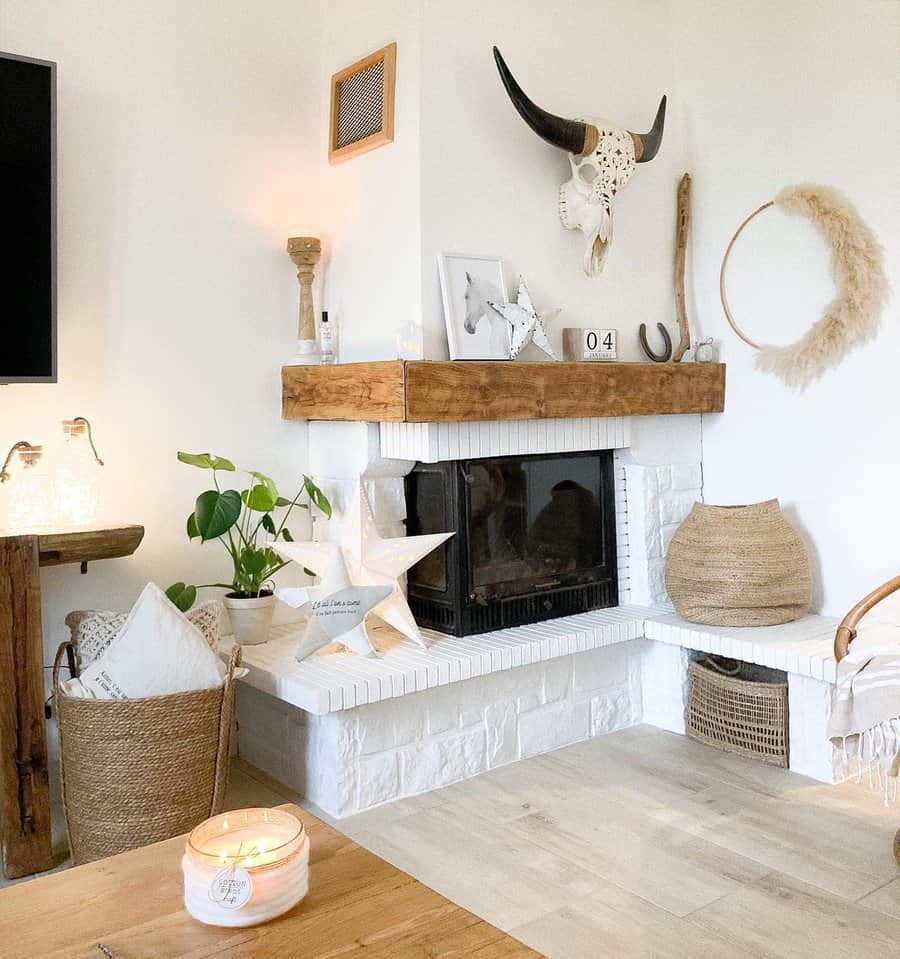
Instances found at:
x=467 y=280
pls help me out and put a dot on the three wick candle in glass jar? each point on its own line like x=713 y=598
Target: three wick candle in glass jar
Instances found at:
x=245 y=867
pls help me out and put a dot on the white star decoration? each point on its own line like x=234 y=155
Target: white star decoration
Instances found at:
x=367 y=560
x=337 y=610
x=525 y=324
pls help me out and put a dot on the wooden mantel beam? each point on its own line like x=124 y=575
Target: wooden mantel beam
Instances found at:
x=420 y=391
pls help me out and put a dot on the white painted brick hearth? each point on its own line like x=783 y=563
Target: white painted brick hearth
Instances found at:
x=357 y=758
x=350 y=733
x=372 y=730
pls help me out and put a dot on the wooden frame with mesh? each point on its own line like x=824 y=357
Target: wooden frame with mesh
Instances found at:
x=362 y=105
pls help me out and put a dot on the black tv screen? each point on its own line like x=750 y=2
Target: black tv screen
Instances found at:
x=27 y=220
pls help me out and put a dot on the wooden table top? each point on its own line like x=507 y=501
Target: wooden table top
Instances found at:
x=358 y=905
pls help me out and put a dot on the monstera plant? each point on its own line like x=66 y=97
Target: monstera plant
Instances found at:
x=246 y=522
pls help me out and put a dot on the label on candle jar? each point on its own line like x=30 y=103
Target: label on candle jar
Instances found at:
x=231 y=887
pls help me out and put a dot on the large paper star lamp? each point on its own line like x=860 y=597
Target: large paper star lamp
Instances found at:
x=371 y=560
x=526 y=325
x=337 y=610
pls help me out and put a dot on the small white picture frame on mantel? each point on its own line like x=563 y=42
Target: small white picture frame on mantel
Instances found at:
x=474 y=330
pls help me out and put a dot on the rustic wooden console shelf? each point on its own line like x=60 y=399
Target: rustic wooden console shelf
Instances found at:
x=24 y=790
x=421 y=391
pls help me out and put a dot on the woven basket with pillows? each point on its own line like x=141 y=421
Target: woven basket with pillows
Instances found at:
x=144 y=725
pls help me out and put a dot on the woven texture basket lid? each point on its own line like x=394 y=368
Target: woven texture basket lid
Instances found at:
x=738 y=566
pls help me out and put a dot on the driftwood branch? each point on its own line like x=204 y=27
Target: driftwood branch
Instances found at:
x=681 y=234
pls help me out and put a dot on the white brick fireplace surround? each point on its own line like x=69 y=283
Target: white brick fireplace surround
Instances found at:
x=350 y=733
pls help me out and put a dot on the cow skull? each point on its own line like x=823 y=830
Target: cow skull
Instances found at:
x=602 y=157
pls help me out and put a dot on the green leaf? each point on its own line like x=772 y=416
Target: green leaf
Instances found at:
x=317 y=497
x=200 y=460
x=217 y=512
x=206 y=461
x=286 y=535
x=309 y=572
x=253 y=561
x=182 y=596
x=272 y=558
x=281 y=501
x=263 y=480
x=268 y=525
x=259 y=498
x=192 y=529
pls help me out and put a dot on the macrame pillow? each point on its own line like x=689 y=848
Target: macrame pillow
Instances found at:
x=94 y=629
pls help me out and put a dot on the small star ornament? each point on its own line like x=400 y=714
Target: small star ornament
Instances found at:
x=369 y=560
x=526 y=325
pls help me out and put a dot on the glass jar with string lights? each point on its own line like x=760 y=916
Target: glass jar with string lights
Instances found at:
x=29 y=506
x=77 y=479
x=245 y=867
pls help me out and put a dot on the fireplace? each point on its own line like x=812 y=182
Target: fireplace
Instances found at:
x=535 y=539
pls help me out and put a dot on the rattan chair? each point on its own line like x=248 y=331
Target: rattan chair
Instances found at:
x=846 y=633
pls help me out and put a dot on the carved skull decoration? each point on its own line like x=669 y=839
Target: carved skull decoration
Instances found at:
x=602 y=157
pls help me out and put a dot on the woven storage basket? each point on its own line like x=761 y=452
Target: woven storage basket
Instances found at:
x=737 y=715
x=137 y=771
x=738 y=566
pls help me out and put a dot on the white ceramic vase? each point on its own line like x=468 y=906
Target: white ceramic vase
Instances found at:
x=250 y=617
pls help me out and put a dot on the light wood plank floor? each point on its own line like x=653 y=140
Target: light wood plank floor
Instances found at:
x=646 y=844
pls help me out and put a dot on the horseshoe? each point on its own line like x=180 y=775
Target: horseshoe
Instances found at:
x=666 y=355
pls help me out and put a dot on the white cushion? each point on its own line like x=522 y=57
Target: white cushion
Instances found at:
x=94 y=629
x=156 y=653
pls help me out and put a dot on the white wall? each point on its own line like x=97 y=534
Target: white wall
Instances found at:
x=490 y=185
x=761 y=95
x=775 y=94
x=187 y=152
x=191 y=144
x=370 y=204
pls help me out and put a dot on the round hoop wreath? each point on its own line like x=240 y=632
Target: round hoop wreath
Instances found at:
x=853 y=315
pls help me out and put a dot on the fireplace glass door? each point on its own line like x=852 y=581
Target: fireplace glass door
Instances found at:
x=533 y=518
x=534 y=538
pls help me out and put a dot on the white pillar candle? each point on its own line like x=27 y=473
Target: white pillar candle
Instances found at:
x=245 y=867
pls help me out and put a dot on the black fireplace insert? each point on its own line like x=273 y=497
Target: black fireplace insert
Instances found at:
x=535 y=539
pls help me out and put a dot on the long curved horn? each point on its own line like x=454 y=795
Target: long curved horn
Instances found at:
x=570 y=135
x=646 y=145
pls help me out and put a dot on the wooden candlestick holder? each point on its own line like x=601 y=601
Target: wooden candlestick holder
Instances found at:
x=305 y=251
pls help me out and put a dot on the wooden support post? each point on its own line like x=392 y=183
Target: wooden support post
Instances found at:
x=24 y=784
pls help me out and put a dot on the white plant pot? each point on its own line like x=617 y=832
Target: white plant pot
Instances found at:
x=250 y=618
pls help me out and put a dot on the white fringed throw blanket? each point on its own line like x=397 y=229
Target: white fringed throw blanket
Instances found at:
x=864 y=725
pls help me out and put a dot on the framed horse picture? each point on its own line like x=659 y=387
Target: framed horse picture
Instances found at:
x=474 y=330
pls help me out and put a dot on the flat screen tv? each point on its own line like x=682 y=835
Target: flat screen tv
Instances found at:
x=27 y=220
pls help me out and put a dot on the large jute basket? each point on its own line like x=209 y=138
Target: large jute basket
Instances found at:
x=738 y=566
x=136 y=771
x=748 y=718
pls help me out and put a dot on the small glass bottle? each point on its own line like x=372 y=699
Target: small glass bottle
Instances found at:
x=327 y=345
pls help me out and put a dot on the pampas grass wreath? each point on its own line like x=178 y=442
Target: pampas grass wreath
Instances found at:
x=854 y=315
